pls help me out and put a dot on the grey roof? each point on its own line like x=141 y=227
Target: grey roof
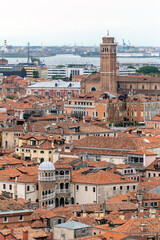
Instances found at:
x=46 y=166
x=13 y=69
x=55 y=84
x=73 y=225
x=19 y=211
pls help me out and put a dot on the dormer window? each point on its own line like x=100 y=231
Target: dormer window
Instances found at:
x=33 y=142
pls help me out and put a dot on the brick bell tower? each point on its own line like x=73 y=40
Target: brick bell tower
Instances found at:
x=108 y=64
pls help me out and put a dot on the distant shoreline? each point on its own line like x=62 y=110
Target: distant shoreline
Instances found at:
x=98 y=56
x=80 y=55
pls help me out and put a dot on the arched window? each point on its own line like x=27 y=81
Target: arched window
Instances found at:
x=61 y=185
x=43 y=193
x=57 y=202
x=67 y=200
x=66 y=185
x=155 y=87
x=142 y=86
x=67 y=172
x=61 y=201
x=72 y=200
x=130 y=86
x=93 y=89
x=61 y=172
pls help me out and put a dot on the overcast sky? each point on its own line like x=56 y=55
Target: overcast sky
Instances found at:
x=80 y=22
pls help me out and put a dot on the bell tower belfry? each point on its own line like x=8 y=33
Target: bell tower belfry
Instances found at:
x=108 y=64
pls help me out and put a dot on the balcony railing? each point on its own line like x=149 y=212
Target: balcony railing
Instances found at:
x=51 y=206
x=48 y=196
x=62 y=177
x=47 y=179
x=79 y=106
x=62 y=190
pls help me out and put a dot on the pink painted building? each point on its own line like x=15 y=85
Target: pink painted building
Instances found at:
x=153 y=170
x=55 y=88
x=142 y=157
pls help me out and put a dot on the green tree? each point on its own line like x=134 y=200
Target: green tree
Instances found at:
x=149 y=70
x=56 y=77
x=10 y=97
x=131 y=67
x=94 y=72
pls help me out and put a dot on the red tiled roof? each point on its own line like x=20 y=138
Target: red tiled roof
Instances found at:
x=100 y=177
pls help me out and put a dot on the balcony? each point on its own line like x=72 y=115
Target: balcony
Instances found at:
x=48 y=196
x=51 y=206
x=79 y=106
x=62 y=191
x=46 y=179
x=62 y=176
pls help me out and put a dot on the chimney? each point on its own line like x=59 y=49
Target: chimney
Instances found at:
x=26 y=205
x=104 y=208
x=66 y=117
x=84 y=119
x=45 y=221
x=83 y=207
x=25 y=235
x=62 y=131
x=12 y=231
x=139 y=195
x=143 y=227
x=16 y=197
x=143 y=188
x=128 y=199
x=11 y=206
x=139 y=206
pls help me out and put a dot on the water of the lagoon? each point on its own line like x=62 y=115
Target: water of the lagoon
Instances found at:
x=75 y=59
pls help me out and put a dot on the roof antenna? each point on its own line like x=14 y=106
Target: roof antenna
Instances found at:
x=107 y=32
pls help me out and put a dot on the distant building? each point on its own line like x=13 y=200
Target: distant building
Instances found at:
x=3 y=61
x=13 y=70
x=56 y=88
x=44 y=72
x=70 y=70
x=109 y=79
x=71 y=230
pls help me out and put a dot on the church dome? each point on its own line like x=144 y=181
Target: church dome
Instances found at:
x=47 y=166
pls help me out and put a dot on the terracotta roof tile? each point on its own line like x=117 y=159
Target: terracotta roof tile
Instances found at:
x=100 y=177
